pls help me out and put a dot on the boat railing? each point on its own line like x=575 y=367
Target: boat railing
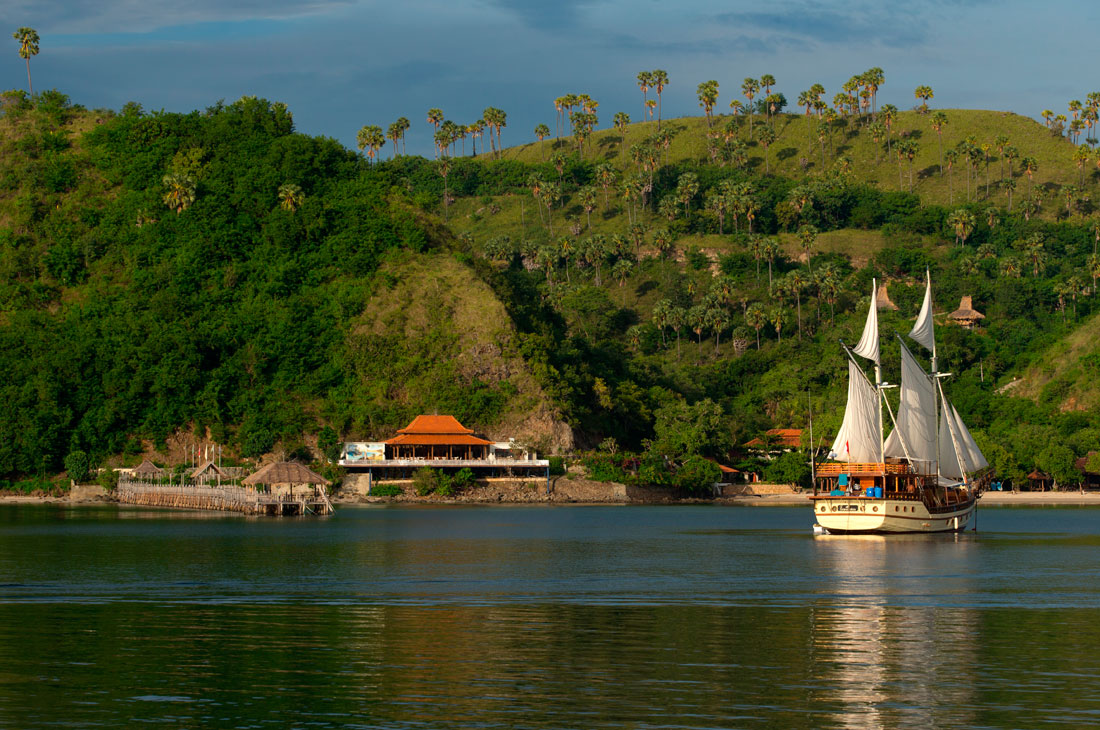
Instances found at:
x=832 y=469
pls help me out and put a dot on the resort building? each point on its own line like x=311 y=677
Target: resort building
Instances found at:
x=440 y=442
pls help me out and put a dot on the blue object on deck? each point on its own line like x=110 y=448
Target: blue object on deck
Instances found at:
x=836 y=493
x=842 y=480
x=878 y=492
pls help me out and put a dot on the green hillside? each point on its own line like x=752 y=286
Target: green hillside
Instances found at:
x=217 y=273
x=797 y=152
x=208 y=273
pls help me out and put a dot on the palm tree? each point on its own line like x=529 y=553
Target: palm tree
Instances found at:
x=371 y=139
x=477 y=129
x=749 y=87
x=587 y=198
x=435 y=118
x=717 y=318
x=1009 y=268
x=687 y=187
x=542 y=132
x=909 y=149
x=290 y=197
x=660 y=81
x=1036 y=256
x=1080 y=157
x=992 y=217
x=968 y=265
x=1070 y=193
x=621 y=119
x=874 y=78
x=394 y=132
x=962 y=222
x=708 y=97
x=181 y=191
x=1092 y=263
x=621 y=271
x=924 y=93
x=777 y=315
x=1032 y=205
x=769 y=250
x=767 y=139
x=828 y=284
x=1030 y=166
x=496 y=119
x=650 y=106
x=939 y=121
x=660 y=316
x=756 y=317
x=807 y=237
x=645 y=80
x=796 y=283
x=1001 y=143
x=1009 y=186
x=28 y=46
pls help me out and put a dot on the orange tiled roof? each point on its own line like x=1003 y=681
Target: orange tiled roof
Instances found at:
x=787 y=437
x=435 y=424
x=437 y=439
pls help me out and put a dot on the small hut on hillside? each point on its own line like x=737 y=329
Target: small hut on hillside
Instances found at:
x=147 y=471
x=288 y=477
x=966 y=316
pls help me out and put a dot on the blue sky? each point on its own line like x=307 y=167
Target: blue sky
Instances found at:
x=340 y=64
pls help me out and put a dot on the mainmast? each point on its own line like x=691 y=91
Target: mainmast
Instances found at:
x=868 y=347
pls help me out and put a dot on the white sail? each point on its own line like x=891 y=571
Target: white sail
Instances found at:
x=868 y=343
x=922 y=331
x=975 y=457
x=859 y=439
x=951 y=465
x=915 y=435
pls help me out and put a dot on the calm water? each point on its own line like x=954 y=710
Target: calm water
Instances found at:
x=536 y=617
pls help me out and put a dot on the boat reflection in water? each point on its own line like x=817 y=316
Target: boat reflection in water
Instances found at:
x=883 y=644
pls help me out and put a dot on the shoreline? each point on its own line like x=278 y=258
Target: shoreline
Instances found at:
x=998 y=499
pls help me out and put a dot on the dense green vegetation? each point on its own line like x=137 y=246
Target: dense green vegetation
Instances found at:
x=670 y=294
x=159 y=274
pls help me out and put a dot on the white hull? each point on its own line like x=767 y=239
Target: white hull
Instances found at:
x=871 y=515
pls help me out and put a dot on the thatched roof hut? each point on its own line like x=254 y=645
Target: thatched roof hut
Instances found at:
x=209 y=469
x=285 y=472
x=966 y=315
x=1037 y=480
x=147 y=470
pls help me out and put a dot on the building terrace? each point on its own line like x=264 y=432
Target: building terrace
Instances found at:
x=440 y=442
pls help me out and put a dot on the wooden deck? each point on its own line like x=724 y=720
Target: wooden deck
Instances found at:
x=223 y=498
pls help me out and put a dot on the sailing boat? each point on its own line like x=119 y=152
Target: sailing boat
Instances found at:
x=927 y=475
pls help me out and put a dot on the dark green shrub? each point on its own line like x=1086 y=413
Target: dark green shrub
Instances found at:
x=385 y=490
x=107 y=478
x=557 y=465
x=425 y=481
x=697 y=474
x=77 y=466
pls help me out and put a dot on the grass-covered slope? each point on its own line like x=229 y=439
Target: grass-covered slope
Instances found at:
x=797 y=151
x=434 y=338
x=1066 y=374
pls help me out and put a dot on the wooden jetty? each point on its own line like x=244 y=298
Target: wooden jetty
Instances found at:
x=225 y=498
